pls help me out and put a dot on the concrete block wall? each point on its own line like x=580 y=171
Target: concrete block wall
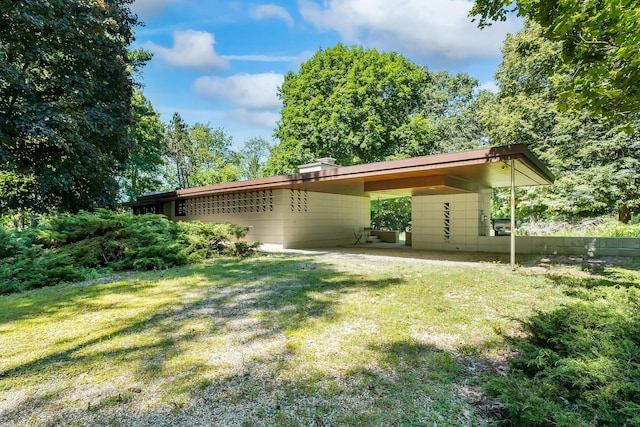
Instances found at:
x=263 y=212
x=290 y=218
x=322 y=220
x=465 y=225
x=581 y=246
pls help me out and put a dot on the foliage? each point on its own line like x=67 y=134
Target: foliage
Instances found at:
x=254 y=155
x=594 y=162
x=147 y=134
x=212 y=159
x=588 y=227
x=65 y=90
x=198 y=155
x=177 y=153
x=353 y=104
x=360 y=106
x=579 y=364
x=600 y=62
x=69 y=247
x=452 y=103
x=391 y=214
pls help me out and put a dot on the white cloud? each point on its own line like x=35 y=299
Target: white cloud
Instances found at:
x=490 y=86
x=191 y=48
x=254 y=96
x=253 y=91
x=267 y=11
x=260 y=58
x=265 y=119
x=422 y=29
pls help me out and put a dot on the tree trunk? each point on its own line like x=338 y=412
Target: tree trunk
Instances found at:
x=624 y=213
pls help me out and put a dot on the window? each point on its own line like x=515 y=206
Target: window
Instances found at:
x=447 y=222
x=181 y=208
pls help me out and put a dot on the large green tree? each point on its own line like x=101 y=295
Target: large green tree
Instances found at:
x=596 y=163
x=65 y=91
x=254 y=155
x=600 y=59
x=452 y=103
x=354 y=104
x=146 y=132
x=213 y=159
x=178 y=168
x=359 y=106
x=198 y=155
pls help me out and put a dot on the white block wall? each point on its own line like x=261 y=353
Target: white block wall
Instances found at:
x=265 y=215
x=322 y=220
x=291 y=218
x=582 y=246
x=464 y=226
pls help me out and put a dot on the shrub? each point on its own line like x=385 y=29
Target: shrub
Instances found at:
x=587 y=227
x=70 y=247
x=578 y=365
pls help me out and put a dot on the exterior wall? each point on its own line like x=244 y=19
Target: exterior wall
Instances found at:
x=581 y=246
x=387 y=236
x=290 y=218
x=322 y=220
x=450 y=222
x=467 y=232
x=263 y=211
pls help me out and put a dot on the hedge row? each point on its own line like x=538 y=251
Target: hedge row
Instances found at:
x=69 y=248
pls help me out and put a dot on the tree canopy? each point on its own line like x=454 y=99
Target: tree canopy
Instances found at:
x=452 y=103
x=360 y=106
x=198 y=155
x=254 y=155
x=354 y=104
x=65 y=91
x=600 y=59
x=146 y=133
x=595 y=161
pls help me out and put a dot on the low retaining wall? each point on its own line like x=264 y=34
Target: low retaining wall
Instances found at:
x=583 y=246
x=386 y=236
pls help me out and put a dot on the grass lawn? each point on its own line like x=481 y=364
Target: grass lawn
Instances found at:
x=272 y=340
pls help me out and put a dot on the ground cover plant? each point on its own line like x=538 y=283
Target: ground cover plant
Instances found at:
x=284 y=340
x=67 y=248
x=604 y=226
x=578 y=364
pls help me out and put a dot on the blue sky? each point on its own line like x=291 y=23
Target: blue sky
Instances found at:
x=221 y=62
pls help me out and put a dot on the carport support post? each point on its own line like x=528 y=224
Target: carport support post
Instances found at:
x=513 y=215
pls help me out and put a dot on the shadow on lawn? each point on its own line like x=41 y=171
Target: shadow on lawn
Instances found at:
x=276 y=294
x=411 y=385
x=51 y=300
x=609 y=277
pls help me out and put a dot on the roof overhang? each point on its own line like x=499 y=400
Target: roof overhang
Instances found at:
x=460 y=172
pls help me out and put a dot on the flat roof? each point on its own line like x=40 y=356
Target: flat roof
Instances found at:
x=452 y=173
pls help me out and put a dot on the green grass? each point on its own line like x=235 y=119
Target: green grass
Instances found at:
x=268 y=340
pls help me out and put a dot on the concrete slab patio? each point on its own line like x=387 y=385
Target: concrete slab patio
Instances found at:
x=398 y=252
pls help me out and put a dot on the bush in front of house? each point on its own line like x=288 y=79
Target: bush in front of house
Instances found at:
x=67 y=248
x=578 y=365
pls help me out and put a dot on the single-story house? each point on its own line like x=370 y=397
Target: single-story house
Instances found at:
x=324 y=205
